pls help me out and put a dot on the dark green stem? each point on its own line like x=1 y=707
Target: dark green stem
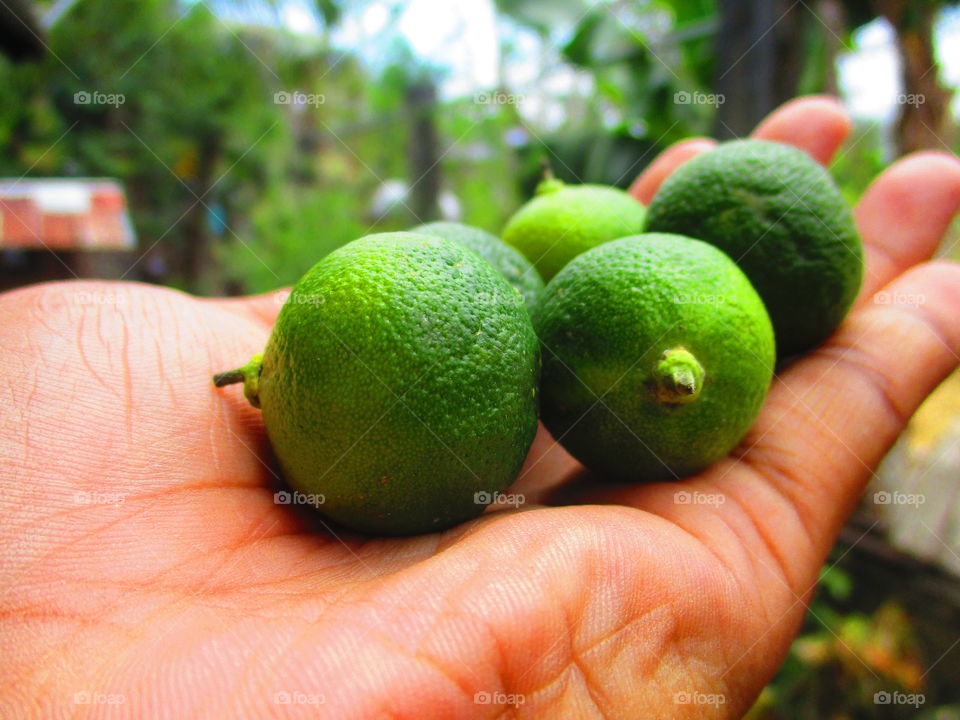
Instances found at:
x=228 y=378
x=249 y=375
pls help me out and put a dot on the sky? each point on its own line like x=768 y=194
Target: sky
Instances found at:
x=462 y=36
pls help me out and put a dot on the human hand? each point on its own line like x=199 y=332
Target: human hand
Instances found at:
x=147 y=572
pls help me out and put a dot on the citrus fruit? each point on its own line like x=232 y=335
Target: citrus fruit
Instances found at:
x=562 y=221
x=780 y=216
x=398 y=386
x=657 y=355
x=512 y=265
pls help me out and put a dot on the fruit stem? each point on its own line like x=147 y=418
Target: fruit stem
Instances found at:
x=548 y=181
x=678 y=377
x=249 y=375
x=227 y=378
x=546 y=172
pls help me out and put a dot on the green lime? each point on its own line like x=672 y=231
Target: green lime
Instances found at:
x=512 y=265
x=657 y=355
x=780 y=216
x=562 y=221
x=398 y=386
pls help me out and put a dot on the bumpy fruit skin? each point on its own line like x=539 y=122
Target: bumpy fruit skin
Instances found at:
x=562 y=221
x=399 y=381
x=781 y=218
x=518 y=271
x=657 y=356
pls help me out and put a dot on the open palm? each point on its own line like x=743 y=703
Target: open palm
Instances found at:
x=147 y=572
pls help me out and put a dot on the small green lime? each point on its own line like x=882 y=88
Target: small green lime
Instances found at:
x=512 y=265
x=657 y=356
x=780 y=216
x=562 y=221
x=398 y=386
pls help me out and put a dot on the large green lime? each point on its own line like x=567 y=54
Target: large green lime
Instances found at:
x=779 y=215
x=400 y=384
x=657 y=355
x=562 y=221
x=518 y=271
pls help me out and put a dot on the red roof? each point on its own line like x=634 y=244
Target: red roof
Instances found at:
x=64 y=213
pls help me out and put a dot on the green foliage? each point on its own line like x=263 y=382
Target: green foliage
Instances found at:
x=843 y=659
x=330 y=10
x=652 y=64
x=861 y=158
x=545 y=17
x=290 y=231
x=190 y=113
x=478 y=163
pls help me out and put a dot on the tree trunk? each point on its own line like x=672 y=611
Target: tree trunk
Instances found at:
x=423 y=158
x=925 y=120
x=196 y=254
x=832 y=14
x=759 y=60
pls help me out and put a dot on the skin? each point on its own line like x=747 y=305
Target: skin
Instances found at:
x=191 y=594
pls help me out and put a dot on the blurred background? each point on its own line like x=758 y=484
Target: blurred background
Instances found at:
x=223 y=147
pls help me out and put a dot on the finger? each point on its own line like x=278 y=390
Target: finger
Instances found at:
x=817 y=124
x=648 y=182
x=905 y=212
x=261 y=308
x=837 y=412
